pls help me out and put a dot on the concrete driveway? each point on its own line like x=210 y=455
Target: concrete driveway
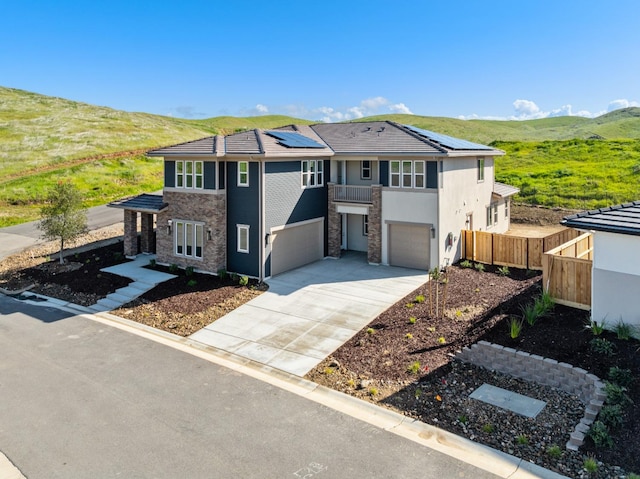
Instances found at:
x=310 y=312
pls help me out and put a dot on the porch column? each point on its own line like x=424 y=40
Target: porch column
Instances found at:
x=374 y=243
x=334 y=226
x=130 y=233
x=146 y=232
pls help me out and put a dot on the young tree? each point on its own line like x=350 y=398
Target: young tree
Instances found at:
x=62 y=216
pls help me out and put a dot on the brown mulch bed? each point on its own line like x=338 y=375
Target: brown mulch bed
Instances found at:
x=375 y=365
x=185 y=304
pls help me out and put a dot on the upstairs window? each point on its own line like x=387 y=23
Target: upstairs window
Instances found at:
x=312 y=173
x=243 y=173
x=365 y=170
x=407 y=174
x=189 y=174
x=480 y=169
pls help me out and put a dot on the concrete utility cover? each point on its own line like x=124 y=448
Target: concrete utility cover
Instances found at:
x=523 y=405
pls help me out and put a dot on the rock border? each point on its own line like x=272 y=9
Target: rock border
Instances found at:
x=548 y=372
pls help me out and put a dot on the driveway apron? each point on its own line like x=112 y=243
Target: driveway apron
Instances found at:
x=310 y=312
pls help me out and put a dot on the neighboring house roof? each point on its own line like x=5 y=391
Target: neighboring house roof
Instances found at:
x=624 y=219
x=325 y=139
x=503 y=191
x=144 y=203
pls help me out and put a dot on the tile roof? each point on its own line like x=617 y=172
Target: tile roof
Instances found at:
x=362 y=138
x=145 y=203
x=624 y=219
x=502 y=190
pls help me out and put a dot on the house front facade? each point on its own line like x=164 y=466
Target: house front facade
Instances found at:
x=261 y=202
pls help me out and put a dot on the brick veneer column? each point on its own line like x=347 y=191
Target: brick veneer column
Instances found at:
x=334 y=226
x=146 y=232
x=130 y=233
x=374 y=246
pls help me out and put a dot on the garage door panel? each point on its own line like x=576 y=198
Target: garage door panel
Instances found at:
x=296 y=246
x=409 y=245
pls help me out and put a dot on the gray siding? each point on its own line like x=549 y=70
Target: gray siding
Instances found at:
x=243 y=208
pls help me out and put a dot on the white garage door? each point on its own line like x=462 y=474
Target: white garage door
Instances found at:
x=295 y=246
x=409 y=245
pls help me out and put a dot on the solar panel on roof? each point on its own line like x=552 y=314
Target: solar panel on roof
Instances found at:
x=293 y=140
x=448 y=141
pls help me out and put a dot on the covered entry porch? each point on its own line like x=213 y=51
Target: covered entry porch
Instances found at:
x=146 y=206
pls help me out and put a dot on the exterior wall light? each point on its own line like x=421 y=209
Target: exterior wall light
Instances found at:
x=169 y=225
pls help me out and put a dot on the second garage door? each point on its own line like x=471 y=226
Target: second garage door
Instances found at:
x=409 y=245
x=296 y=245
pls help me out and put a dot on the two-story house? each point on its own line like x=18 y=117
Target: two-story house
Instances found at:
x=261 y=202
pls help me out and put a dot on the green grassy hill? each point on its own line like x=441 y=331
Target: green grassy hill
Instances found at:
x=44 y=139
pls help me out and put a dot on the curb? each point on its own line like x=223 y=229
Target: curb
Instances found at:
x=484 y=457
x=8 y=470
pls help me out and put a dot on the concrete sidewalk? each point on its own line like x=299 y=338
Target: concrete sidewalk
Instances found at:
x=309 y=312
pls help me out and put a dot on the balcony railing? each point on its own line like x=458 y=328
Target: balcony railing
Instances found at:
x=352 y=194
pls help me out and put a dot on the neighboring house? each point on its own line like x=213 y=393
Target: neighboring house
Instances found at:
x=616 y=265
x=261 y=202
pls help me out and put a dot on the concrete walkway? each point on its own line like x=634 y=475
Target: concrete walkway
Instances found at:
x=309 y=312
x=144 y=279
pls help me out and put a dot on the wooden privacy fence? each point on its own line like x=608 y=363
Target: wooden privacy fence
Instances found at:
x=508 y=250
x=566 y=272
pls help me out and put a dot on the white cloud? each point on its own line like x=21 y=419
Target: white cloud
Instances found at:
x=400 y=108
x=529 y=110
x=262 y=109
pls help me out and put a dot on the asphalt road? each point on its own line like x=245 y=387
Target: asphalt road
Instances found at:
x=16 y=238
x=83 y=399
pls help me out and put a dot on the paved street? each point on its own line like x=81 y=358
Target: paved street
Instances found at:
x=14 y=239
x=83 y=399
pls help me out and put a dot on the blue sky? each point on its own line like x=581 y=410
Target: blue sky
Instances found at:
x=328 y=60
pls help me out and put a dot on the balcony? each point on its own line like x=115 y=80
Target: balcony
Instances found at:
x=352 y=194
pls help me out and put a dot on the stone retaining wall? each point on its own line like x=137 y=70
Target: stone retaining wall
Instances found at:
x=549 y=372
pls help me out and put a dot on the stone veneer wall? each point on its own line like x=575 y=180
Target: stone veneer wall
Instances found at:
x=549 y=372
x=210 y=209
x=374 y=243
x=334 y=224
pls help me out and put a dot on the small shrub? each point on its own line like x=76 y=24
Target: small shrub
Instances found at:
x=590 y=465
x=408 y=336
x=431 y=329
x=409 y=305
x=412 y=320
x=611 y=415
x=515 y=327
x=329 y=370
x=173 y=268
x=488 y=428
x=621 y=377
x=418 y=393
x=530 y=313
x=222 y=273
x=599 y=434
x=633 y=475
x=191 y=283
x=554 y=451
x=243 y=281
x=351 y=383
x=522 y=440
x=602 y=346
x=371 y=331
x=152 y=263
x=373 y=391
x=617 y=394
x=441 y=340
x=479 y=267
x=419 y=298
x=623 y=330
x=504 y=271
x=596 y=328
x=463 y=419
x=189 y=270
x=466 y=264
x=234 y=277
x=547 y=301
x=414 y=367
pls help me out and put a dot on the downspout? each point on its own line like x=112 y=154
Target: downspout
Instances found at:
x=263 y=245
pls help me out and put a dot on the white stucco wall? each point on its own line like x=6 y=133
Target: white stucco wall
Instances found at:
x=462 y=194
x=409 y=206
x=356 y=241
x=616 y=278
